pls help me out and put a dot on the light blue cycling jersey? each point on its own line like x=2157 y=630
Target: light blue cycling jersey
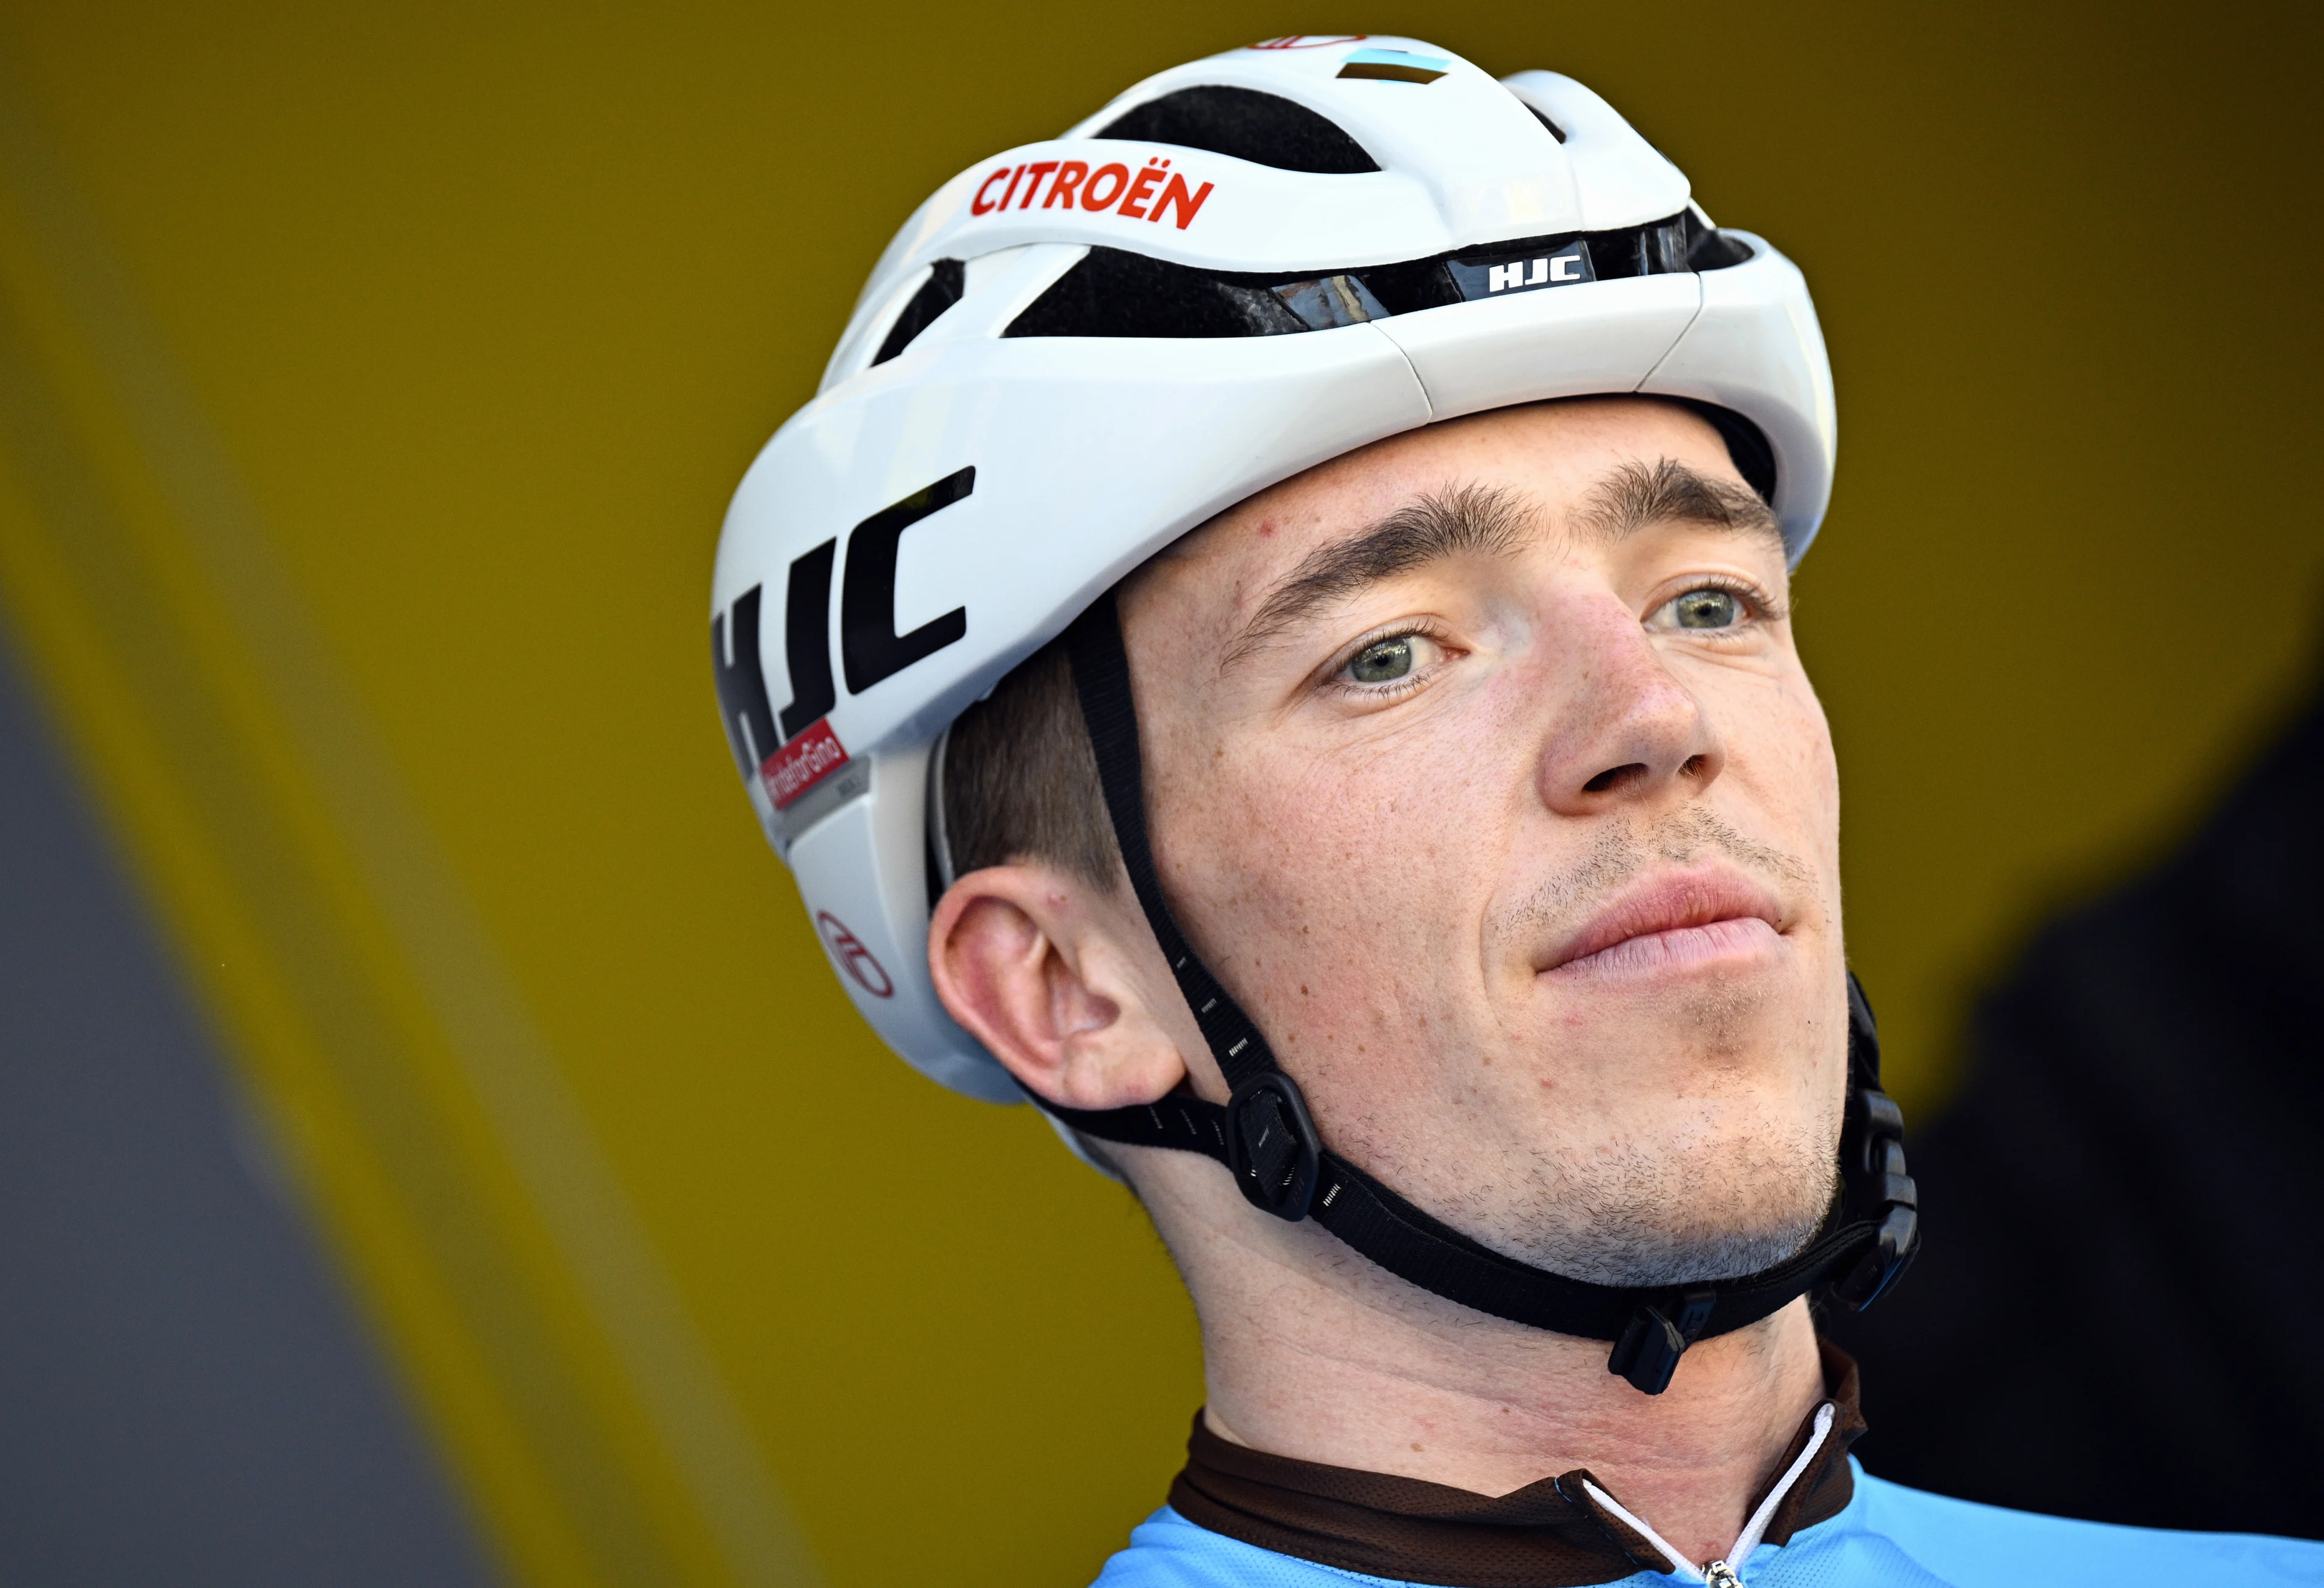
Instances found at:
x=1887 y=1536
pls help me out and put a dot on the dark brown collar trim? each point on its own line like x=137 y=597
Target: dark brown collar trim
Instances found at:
x=1549 y=1534
x=1828 y=1485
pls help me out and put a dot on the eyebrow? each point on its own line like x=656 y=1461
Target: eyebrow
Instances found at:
x=1636 y=495
x=1472 y=520
x=1479 y=521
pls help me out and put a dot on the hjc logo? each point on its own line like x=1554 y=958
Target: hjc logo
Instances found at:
x=792 y=750
x=1536 y=273
x=853 y=959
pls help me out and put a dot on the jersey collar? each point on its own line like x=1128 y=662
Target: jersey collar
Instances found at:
x=1550 y=1533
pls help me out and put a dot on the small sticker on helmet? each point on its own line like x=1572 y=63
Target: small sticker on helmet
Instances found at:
x=842 y=788
x=802 y=764
x=1394 y=66
x=847 y=951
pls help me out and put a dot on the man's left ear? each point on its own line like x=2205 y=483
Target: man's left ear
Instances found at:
x=1051 y=976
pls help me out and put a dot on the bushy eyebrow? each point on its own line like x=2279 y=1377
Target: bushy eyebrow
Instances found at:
x=1475 y=520
x=1635 y=496
x=1472 y=520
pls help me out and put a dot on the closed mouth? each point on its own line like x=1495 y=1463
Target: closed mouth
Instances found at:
x=1671 y=922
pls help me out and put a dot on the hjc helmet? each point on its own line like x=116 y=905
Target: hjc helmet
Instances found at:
x=1077 y=352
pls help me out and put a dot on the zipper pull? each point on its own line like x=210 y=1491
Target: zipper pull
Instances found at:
x=1720 y=1574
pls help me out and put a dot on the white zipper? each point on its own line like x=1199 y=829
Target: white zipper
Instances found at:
x=1720 y=1574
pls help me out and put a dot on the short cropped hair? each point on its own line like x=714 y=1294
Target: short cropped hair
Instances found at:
x=1019 y=783
x=1020 y=780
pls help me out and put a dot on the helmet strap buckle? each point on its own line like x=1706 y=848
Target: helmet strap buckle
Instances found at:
x=1272 y=1146
x=1872 y=1166
x=1657 y=1336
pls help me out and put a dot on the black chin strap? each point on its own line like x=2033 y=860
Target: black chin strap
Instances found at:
x=1266 y=1137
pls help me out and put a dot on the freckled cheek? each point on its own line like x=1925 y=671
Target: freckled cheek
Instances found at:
x=1810 y=764
x=1819 y=762
x=1797 y=776
x=1350 y=883
x=1300 y=830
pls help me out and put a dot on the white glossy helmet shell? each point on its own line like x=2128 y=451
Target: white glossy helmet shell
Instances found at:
x=932 y=518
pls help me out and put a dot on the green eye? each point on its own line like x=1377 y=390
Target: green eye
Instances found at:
x=1383 y=661
x=1706 y=609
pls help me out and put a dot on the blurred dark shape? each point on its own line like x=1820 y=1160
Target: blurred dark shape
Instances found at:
x=185 y=1397
x=2119 y=1310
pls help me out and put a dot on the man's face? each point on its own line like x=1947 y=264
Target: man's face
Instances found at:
x=1483 y=770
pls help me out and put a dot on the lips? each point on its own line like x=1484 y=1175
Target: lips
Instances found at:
x=1670 y=921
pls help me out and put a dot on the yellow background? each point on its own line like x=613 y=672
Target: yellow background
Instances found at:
x=374 y=378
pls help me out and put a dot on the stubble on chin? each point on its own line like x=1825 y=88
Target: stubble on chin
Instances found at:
x=1735 y=1185
x=1642 y=1214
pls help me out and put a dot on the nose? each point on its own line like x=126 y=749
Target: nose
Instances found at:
x=1626 y=733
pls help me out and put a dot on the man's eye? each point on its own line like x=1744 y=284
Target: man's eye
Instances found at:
x=1383 y=661
x=1707 y=609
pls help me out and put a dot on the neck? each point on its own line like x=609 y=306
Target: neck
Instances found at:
x=1312 y=1354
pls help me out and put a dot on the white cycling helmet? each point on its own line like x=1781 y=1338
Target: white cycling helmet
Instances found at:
x=1080 y=349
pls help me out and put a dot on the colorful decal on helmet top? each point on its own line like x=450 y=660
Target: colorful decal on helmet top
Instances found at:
x=847 y=949
x=802 y=764
x=1307 y=40
x=870 y=648
x=1394 y=66
x=1154 y=192
x=1489 y=278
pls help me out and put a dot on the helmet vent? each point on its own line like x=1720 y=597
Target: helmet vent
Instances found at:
x=1244 y=123
x=1112 y=292
x=947 y=281
x=1542 y=116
